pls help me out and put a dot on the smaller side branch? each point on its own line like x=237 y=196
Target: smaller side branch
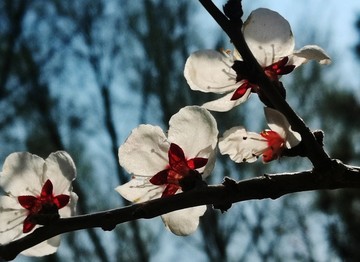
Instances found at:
x=267 y=186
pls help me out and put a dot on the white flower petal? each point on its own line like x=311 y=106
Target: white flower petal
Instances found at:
x=70 y=209
x=268 y=36
x=194 y=129
x=183 y=222
x=292 y=138
x=206 y=171
x=139 y=189
x=278 y=123
x=47 y=247
x=210 y=71
x=310 y=52
x=22 y=174
x=225 y=103
x=145 y=152
x=11 y=220
x=11 y=225
x=60 y=169
x=242 y=146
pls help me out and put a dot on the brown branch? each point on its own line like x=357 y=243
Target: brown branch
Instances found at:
x=271 y=186
x=233 y=28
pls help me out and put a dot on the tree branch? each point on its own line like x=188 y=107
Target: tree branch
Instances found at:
x=271 y=186
x=233 y=28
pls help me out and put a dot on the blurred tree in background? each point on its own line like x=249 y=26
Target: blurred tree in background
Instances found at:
x=342 y=207
x=79 y=75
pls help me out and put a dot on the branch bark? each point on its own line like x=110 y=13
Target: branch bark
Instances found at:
x=270 y=186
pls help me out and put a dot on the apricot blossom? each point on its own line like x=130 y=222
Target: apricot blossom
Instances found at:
x=37 y=191
x=163 y=165
x=243 y=146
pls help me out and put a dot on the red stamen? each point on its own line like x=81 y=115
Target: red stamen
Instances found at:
x=47 y=189
x=280 y=64
x=61 y=200
x=179 y=168
x=241 y=90
x=170 y=190
x=176 y=154
x=160 y=178
x=197 y=162
x=278 y=68
x=272 y=71
x=28 y=225
x=44 y=203
x=275 y=145
x=27 y=202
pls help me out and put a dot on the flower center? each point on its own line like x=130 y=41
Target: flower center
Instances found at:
x=180 y=173
x=272 y=71
x=241 y=90
x=44 y=204
x=275 y=145
x=279 y=68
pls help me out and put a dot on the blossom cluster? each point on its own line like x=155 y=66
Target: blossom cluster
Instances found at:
x=165 y=165
x=162 y=164
x=271 y=41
